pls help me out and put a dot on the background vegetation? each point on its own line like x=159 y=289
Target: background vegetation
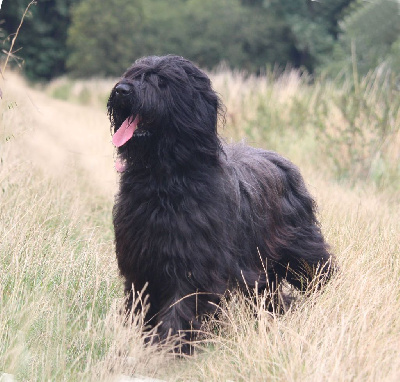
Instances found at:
x=88 y=38
x=42 y=39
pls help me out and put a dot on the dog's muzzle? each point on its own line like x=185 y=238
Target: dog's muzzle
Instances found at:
x=125 y=105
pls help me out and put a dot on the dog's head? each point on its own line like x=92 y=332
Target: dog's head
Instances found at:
x=165 y=108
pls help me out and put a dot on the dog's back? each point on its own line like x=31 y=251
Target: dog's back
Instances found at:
x=279 y=215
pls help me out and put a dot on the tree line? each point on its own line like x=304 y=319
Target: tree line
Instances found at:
x=86 y=38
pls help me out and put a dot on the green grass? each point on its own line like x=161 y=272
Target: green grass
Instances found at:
x=55 y=290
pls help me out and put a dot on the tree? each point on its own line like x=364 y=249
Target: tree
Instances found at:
x=102 y=37
x=105 y=37
x=210 y=32
x=372 y=29
x=313 y=26
x=370 y=34
x=104 y=42
x=42 y=40
x=214 y=32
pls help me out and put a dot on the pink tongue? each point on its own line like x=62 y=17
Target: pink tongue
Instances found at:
x=125 y=132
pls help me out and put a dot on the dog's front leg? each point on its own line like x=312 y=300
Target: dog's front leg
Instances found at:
x=182 y=319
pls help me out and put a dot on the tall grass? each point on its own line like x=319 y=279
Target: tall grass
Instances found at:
x=351 y=127
x=350 y=331
x=60 y=292
x=359 y=127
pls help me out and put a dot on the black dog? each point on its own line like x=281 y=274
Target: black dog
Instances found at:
x=194 y=218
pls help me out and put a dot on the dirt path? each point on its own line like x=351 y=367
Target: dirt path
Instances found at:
x=59 y=137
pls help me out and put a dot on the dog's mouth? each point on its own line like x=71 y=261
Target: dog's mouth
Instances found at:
x=129 y=129
x=132 y=127
x=125 y=131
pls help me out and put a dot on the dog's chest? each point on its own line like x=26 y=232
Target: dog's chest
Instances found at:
x=169 y=221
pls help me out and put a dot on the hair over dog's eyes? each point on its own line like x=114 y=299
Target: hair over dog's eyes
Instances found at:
x=161 y=82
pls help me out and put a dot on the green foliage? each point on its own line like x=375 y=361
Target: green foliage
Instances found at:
x=42 y=39
x=313 y=26
x=250 y=35
x=266 y=42
x=246 y=34
x=101 y=36
x=394 y=56
x=207 y=32
x=371 y=31
x=106 y=37
x=213 y=31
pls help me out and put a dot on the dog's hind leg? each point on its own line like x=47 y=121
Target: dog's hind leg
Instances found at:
x=303 y=271
x=303 y=254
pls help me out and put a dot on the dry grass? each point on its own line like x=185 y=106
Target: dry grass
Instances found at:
x=351 y=331
x=59 y=286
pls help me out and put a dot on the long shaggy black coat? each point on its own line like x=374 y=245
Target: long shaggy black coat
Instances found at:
x=194 y=218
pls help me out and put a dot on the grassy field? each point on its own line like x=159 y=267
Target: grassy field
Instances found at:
x=59 y=286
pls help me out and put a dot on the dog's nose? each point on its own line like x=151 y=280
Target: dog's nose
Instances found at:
x=123 y=89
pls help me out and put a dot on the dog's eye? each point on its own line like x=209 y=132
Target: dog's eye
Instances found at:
x=161 y=82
